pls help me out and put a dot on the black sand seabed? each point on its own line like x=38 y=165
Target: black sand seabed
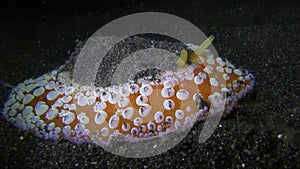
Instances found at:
x=263 y=37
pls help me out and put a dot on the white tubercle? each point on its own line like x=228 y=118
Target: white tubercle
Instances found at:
x=133 y=88
x=202 y=75
x=98 y=91
x=38 y=91
x=177 y=125
x=214 y=82
x=226 y=76
x=169 y=104
x=228 y=70
x=127 y=113
x=91 y=100
x=27 y=98
x=114 y=98
x=179 y=114
x=66 y=99
x=68 y=118
x=51 y=126
x=189 y=75
x=208 y=69
x=168 y=84
x=100 y=117
x=220 y=69
x=41 y=82
x=41 y=108
x=116 y=89
x=66 y=129
x=220 y=61
x=124 y=91
x=12 y=113
x=198 y=80
x=125 y=126
x=82 y=101
x=99 y=106
x=146 y=90
x=30 y=87
x=51 y=114
x=141 y=99
x=159 y=117
x=27 y=111
x=52 y=95
x=123 y=102
x=105 y=96
x=182 y=94
x=134 y=131
x=82 y=118
x=169 y=119
x=211 y=61
x=188 y=109
x=144 y=110
x=19 y=96
x=69 y=90
x=167 y=92
x=237 y=72
x=113 y=121
x=79 y=128
x=104 y=132
x=151 y=126
x=72 y=106
x=138 y=121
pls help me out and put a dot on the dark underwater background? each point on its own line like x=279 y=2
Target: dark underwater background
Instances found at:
x=261 y=36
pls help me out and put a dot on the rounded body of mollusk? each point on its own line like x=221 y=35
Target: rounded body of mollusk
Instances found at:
x=53 y=106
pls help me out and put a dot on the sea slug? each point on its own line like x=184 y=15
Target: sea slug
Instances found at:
x=53 y=106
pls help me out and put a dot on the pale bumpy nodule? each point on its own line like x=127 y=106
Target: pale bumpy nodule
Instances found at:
x=52 y=106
